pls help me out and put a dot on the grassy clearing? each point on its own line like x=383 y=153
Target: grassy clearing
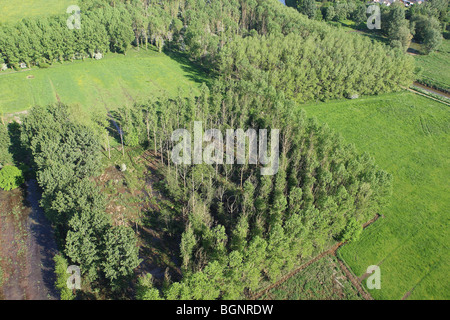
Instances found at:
x=112 y=82
x=409 y=136
x=322 y=280
x=13 y=11
x=436 y=68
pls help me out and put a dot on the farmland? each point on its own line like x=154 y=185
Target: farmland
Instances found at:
x=12 y=11
x=408 y=136
x=114 y=81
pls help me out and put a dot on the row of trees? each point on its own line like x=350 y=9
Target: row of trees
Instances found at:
x=327 y=67
x=42 y=41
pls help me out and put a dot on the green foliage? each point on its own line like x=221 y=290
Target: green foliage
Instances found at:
x=145 y=289
x=307 y=7
x=433 y=39
x=62 y=276
x=242 y=227
x=272 y=60
x=351 y=232
x=84 y=242
x=397 y=27
x=5 y=144
x=48 y=39
x=121 y=253
x=11 y=178
x=66 y=155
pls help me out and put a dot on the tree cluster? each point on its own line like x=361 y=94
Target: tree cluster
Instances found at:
x=65 y=155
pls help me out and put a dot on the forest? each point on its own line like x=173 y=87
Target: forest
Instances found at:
x=236 y=229
x=425 y=22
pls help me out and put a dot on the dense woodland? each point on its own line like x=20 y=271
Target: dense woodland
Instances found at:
x=240 y=228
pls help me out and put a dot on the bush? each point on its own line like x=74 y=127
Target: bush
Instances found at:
x=61 y=266
x=44 y=65
x=11 y=178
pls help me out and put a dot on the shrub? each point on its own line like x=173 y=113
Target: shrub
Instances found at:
x=61 y=277
x=11 y=178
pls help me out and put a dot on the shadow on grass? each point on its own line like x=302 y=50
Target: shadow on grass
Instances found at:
x=196 y=72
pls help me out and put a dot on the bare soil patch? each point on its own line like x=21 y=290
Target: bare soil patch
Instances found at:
x=27 y=246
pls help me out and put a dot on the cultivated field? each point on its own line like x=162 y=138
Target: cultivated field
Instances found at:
x=12 y=11
x=112 y=82
x=410 y=137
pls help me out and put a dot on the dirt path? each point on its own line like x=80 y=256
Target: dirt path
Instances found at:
x=28 y=246
x=354 y=280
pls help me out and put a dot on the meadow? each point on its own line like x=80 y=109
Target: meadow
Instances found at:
x=114 y=81
x=409 y=136
x=436 y=67
x=13 y=11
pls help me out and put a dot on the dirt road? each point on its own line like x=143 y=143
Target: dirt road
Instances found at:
x=27 y=247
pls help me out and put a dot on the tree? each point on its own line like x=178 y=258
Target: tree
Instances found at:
x=428 y=30
x=145 y=289
x=360 y=15
x=307 y=7
x=397 y=28
x=330 y=13
x=352 y=231
x=121 y=254
x=11 y=178
x=432 y=40
x=85 y=241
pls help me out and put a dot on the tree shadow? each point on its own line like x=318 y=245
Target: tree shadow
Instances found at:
x=44 y=248
x=19 y=153
x=195 y=72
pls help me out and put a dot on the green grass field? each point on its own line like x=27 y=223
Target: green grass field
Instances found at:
x=436 y=67
x=322 y=280
x=13 y=11
x=112 y=82
x=409 y=136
